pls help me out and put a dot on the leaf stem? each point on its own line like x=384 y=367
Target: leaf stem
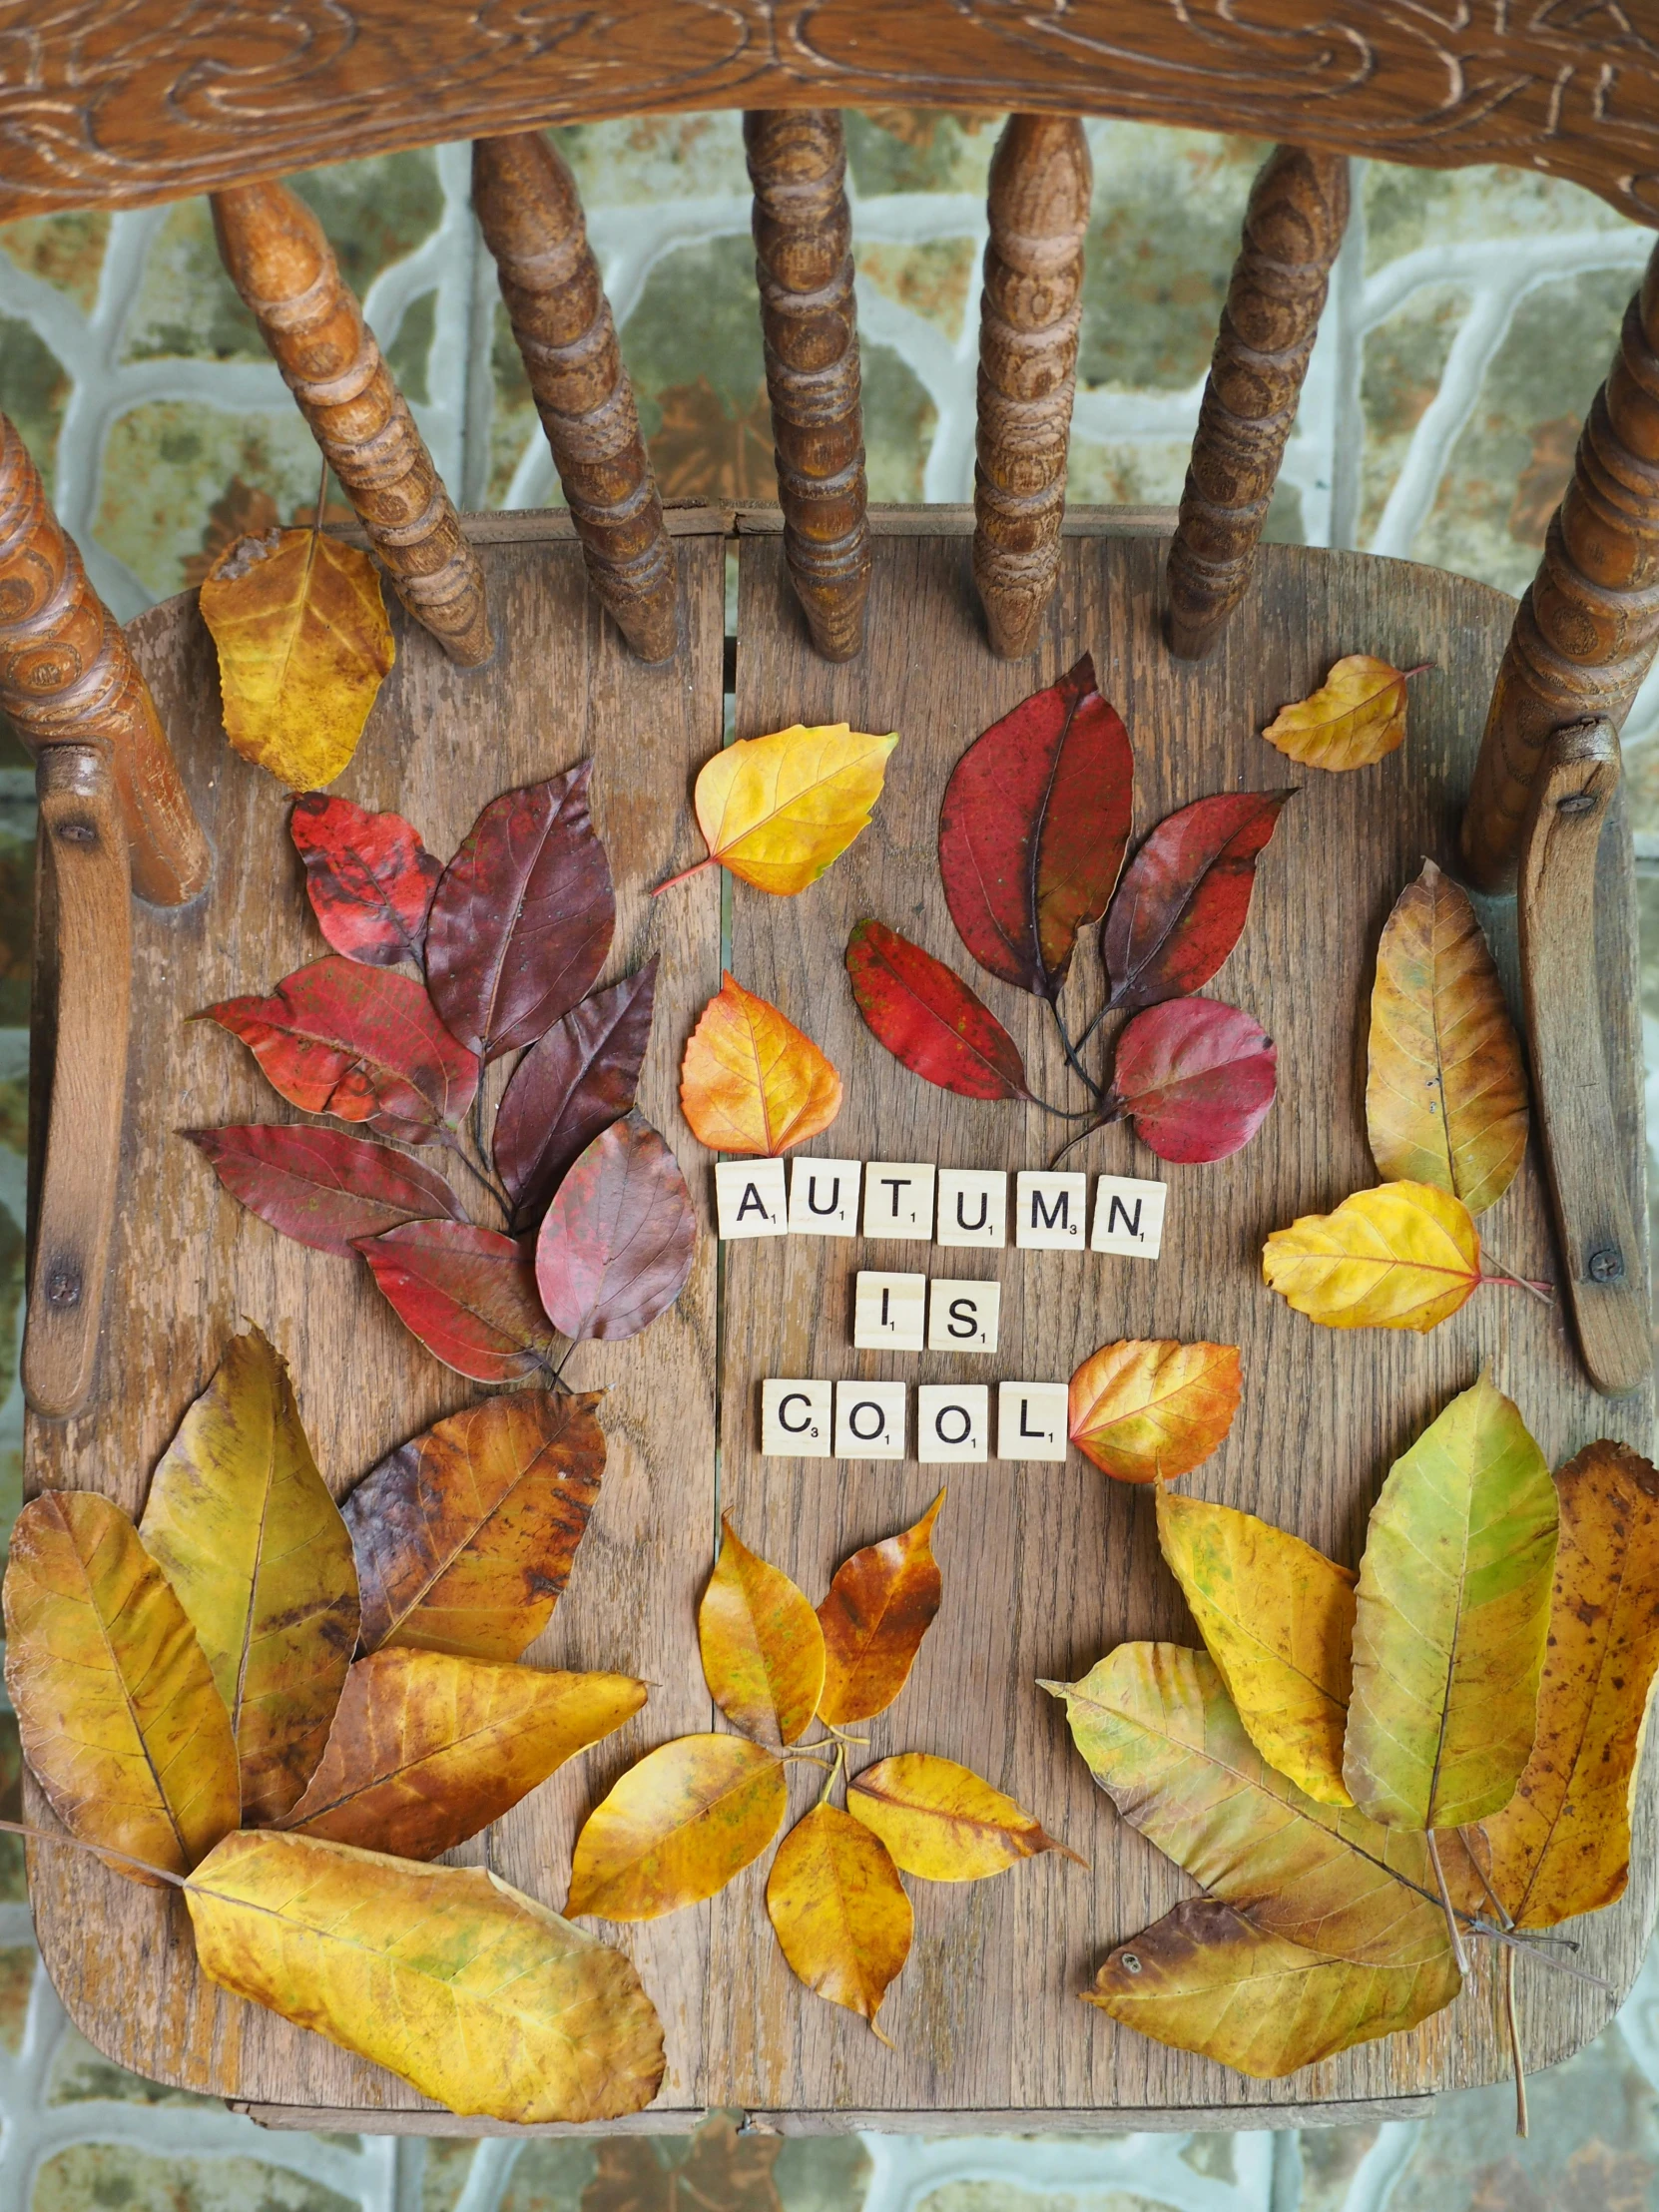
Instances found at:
x=1545 y=1293
x=1515 y=2059
x=1061 y=1113
x=833 y=1775
x=482 y=1175
x=1533 y=1946
x=97 y=1851
x=1459 y=1952
x=1070 y=1050
x=685 y=876
x=1104 y=1121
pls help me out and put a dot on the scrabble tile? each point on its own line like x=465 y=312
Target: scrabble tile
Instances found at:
x=1128 y=1216
x=1050 y=1211
x=954 y=1422
x=795 y=1420
x=973 y=1207
x=898 y=1200
x=870 y=1420
x=963 y=1317
x=750 y=1197
x=824 y=1198
x=886 y=1311
x=1032 y=1420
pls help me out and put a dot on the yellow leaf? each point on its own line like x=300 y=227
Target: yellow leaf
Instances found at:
x=1405 y=1256
x=944 y=1821
x=303 y=643
x=762 y=1649
x=1446 y=1090
x=875 y=1614
x=677 y=1827
x=750 y=1081
x=115 y=1705
x=777 y=810
x=1356 y=717
x=469 y=1990
x=1277 y=1617
x=242 y=1527
x=1152 y=1411
x=840 y=1911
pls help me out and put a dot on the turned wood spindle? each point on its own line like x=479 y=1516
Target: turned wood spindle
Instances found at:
x=282 y=266
x=1586 y=631
x=526 y=201
x=1292 y=229
x=68 y=676
x=803 y=265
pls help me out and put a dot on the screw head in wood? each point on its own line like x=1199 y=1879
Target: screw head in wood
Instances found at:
x=1606 y=1264
x=62 y=1288
x=1578 y=802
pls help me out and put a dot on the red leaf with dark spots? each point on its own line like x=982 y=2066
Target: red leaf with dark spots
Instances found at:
x=1184 y=897
x=357 y=1042
x=580 y=1078
x=928 y=1017
x=1032 y=831
x=523 y=918
x=619 y=1238
x=322 y=1187
x=1196 y=1077
x=368 y=877
x=468 y=1294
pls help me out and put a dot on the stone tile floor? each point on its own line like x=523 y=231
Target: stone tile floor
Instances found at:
x=1472 y=317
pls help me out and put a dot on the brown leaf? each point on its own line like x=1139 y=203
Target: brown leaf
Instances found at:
x=716 y=2170
x=879 y=1607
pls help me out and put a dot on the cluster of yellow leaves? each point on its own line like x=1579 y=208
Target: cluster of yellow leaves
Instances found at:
x=1357 y=717
x=750 y=1082
x=780 y=810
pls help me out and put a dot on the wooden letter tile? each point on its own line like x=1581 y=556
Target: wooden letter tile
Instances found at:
x=954 y=1422
x=898 y=1200
x=750 y=1194
x=963 y=1317
x=1128 y=1216
x=973 y=1207
x=870 y=1420
x=886 y=1311
x=795 y=1420
x=1032 y=1420
x=1052 y=1210
x=824 y=1198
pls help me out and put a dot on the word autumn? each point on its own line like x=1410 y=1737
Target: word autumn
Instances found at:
x=1050 y=1208
x=870 y=1420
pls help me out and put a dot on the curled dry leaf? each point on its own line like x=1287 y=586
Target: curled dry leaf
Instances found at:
x=750 y=1082
x=369 y=877
x=303 y=643
x=1032 y=831
x=778 y=809
x=427 y=1749
x=578 y=1078
x=243 y=1526
x=1183 y=899
x=761 y=1646
x=472 y=1992
x=1357 y=716
x=464 y=1536
x=468 y=1294
x=840 y=1912
x=619 y=1236
x=116 y=1707
x=1196 y=1077
x=677 y=1827
x=322 y=1187
x=1446 y=1090
x=928 y=1017
x=1405 y=1256
x=878 y=1608
x=1153 y=1409
x=942 y=1821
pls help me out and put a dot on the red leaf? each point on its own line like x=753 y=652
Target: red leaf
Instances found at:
x=468 y=1294
x=619 y=1238
x=1184 y=897
x=357 y=1042
x=1032 y=829
x=368 y=877
x=523 y=918
x=322 y=1187
x=928 y=1017
x=1197 y=1078
x=580 y=1078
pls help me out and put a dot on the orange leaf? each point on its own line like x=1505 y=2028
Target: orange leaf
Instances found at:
x=750 y=1081
x=880 y=1605
x=1148 y=1412
x=1356 y=717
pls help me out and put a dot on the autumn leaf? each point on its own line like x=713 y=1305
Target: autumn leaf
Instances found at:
x=1181 y=901
x=878 y=1608
x=1357 y=716
x=750 y=1082
x=717 y=2167
x=677 y=1827
x=1451 y=1613
x=116 y=1706
x=322 y=1187
x=1032 y=831
x=369 y=877
x=840 y=1912
x=928 y=1017
x=761 y=1646
x=778 y=810
x=472 y=1992
x=1277 y=1617
x=1446 y=1090
x=427 y=1749
x=468 y=1294
x=303 y=643
x=1196 y=1077
x=1152 y=1411
x=464 y=1536
x=620 y=1237
x=944 y=1821
x=1403 y=1256
x=575 y=1081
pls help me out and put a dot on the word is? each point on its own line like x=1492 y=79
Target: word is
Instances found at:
x=916 y=1202
x=870 y=1420
x=887 y=1314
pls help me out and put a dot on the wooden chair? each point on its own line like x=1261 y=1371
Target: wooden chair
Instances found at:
x=507 y=668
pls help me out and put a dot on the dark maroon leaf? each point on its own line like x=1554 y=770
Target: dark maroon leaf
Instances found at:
x=468 y=1294
x=322 y=1187
x=1196 y=1077
x=619 y=1238
x=580 y=1078
x=523 y=918
x=369 y=878
x=1184 y=897
x=1032 y=829
x=928 y=1017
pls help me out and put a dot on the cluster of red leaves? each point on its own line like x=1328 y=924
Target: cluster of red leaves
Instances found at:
x=596 y=1230
x=1033 y=830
